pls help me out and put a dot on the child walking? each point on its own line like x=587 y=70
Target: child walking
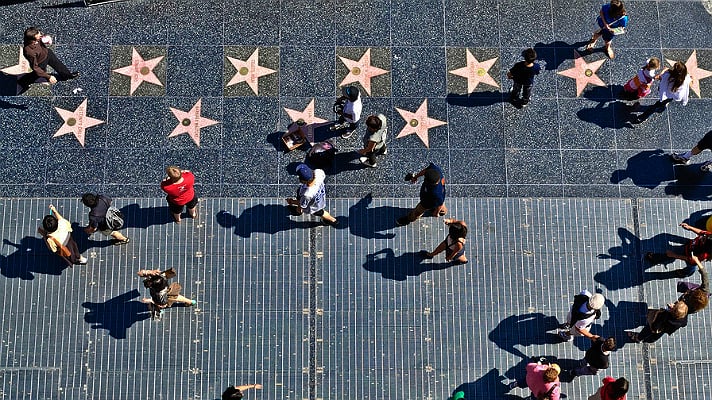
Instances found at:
x=640 y=85
x=522 y=75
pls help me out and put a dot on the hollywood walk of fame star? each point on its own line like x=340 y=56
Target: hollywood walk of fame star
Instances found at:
x=191 y=122
x=694 y=71
x=76 y=122
x=249 y=71
x=307 y=115
x=418 y=122
x=476 y=72
x=361 y=71
x=584 y=73
x=22 y=67
x=140 y=70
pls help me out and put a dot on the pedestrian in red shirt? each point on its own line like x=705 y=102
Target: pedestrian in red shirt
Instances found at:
x=612 y=389
x=180 y=192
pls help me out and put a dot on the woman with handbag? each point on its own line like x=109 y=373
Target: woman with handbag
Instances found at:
x=612 y=21
x=57 y=234
x=659 y=322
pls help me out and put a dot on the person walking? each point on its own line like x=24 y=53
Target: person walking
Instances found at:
x=453 y=245
x=585 y=309
x=235 y=392
x=57 y=234
x=162 y=294
x=374 y=141
x=311 y=195
x=542 y=380
x=612 y=21
x=612 y=389
x=40 y=56
x=700 y=247
x=350 y=114
x=522 y=75
x=695 y=296
x=104 y=218
x=704 y=144
x=674 y=86
x=666 y=320
x=597 y=357
x=180 y=192
x=432 y=194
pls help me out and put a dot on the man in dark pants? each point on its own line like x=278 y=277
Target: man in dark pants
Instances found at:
x=39 y=57
x=597 y=357
x=432 y=194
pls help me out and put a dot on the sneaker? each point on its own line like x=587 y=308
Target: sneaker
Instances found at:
x=193 y=303
x=679 y=159
x=83 y=260
x=121 y=242
x=347 y=134
x=384 y=151
x=565 y=335
x=609 y=52
x=706 y=167
x=364 y=161
x=402 y=221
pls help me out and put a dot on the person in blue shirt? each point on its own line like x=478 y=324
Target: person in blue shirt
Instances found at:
x=612 y=21
x=522 y=75
x=432 y=194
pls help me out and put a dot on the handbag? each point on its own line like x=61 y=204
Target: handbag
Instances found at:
x=62 y=250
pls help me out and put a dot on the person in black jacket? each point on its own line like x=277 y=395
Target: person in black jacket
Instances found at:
x=597 y=357
x=662 y=321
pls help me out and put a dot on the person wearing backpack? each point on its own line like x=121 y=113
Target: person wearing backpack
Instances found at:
x=585 y=309
x=104 y=217
x=542 y=379
x=701 y=246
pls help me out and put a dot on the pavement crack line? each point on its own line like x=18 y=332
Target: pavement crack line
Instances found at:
x=313 y=233
x=641 y=296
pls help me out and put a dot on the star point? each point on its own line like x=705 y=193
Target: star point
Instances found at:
x=76 y=122
x=190 y=122
x=694 y=71
x=140 y=70
x=361 y=71
x=307 y=115
x=418 y=122
x=22 y=67
x=249 y=71
x=584 y=73
x=476 y=72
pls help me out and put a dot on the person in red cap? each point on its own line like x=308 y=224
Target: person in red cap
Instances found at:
x=180 y=191
x=311 y=195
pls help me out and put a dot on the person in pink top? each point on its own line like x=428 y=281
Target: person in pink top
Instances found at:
x=180 y=192
x=542 y=379
x=612 y=389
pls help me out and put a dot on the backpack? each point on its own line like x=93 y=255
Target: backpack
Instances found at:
x=114 y=218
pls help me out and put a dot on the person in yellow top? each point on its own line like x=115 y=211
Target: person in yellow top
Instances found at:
x=57 y=234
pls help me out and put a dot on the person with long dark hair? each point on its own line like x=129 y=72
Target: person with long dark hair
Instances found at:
x=163 y=294
x=454 y=243
x=612 y=389
x=612 y=20
x=674 y=85
x=40 y=56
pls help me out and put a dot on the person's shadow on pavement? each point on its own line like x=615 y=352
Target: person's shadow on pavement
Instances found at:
x=30 y=257
x=488 y=386
x=400 y=268
x=266 y=218
x=524 y=330
x=646 y=169
x=117 y=314
x=368 y=222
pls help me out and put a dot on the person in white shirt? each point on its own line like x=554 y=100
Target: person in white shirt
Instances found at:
x=351 y=112
x=311 y=195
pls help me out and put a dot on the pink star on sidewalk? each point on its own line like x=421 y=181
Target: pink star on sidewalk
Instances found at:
x=140 y=71
x=249 y=71
x=22 y=66
x=476 y=72
x=695 y=72
x=418 y=122
x=307 y=115
x=584 y=73
x=361 y=71
x=190 y=122
x=76 y=122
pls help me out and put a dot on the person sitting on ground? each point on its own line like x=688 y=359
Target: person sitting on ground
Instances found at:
x=701 y=246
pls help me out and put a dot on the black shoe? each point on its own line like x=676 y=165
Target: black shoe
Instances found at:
x=72 y=75
x=402 y=221
x=425 y=255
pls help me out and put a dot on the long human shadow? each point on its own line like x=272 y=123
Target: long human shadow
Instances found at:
x=117 y=314
x=265 y=218
x=399 y=268
x=647 y=169
x=630 y=269
x=368 y=222
x=30 y=257
x=524 y=330
x=7 y=105
x=691 y=183
x=15 y=2
x=555 y=53
x=624 y=316
x=136 y=216
x=476 y=99
x=488 y=386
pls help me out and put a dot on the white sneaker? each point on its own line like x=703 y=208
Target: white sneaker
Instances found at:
x=347 y=134
x=83 y=260
x=679 y=159
x=706 y=167
x=364 y=161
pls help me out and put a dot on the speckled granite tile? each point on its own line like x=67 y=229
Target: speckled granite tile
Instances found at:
x=380 y=85
x=94 y=137
x=94 y=71
x=25 y=165
x=210 y=136
x=537 y=17
x=255 y=22
x=589 y=125
x=586 y=166
x=206 y=164
x=253 y=121
x=363 y=23
x=537 y=135
x=67 y=171
x=140 y=23
x=193 y=24
x=533 y=166
x=695 y=31
x=194 y=71
x=477 y=167
x=139 y=122
x=437 y=136
x=474 y=126
x=417 y=23
x=265 y=85
x=262 y=167
x=648 y=168
x=308 y=23
x=462 y=27
x=307 y=71
x=486 y=75
x=419 y=71
x=24 y=121
x=146 y=166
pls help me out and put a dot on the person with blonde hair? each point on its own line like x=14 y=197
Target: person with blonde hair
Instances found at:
x=674 y=86
x=659 y=322
x=542 y=379
x=180 y=192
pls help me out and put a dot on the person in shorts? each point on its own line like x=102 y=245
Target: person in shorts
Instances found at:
x=374 y=142
x=311 y=195
x=180 y=192
x=98 y=206
x=432 y=194
x=704 y=144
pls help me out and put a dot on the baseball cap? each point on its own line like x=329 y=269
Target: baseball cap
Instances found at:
x=304 y=172
x=596 y=301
